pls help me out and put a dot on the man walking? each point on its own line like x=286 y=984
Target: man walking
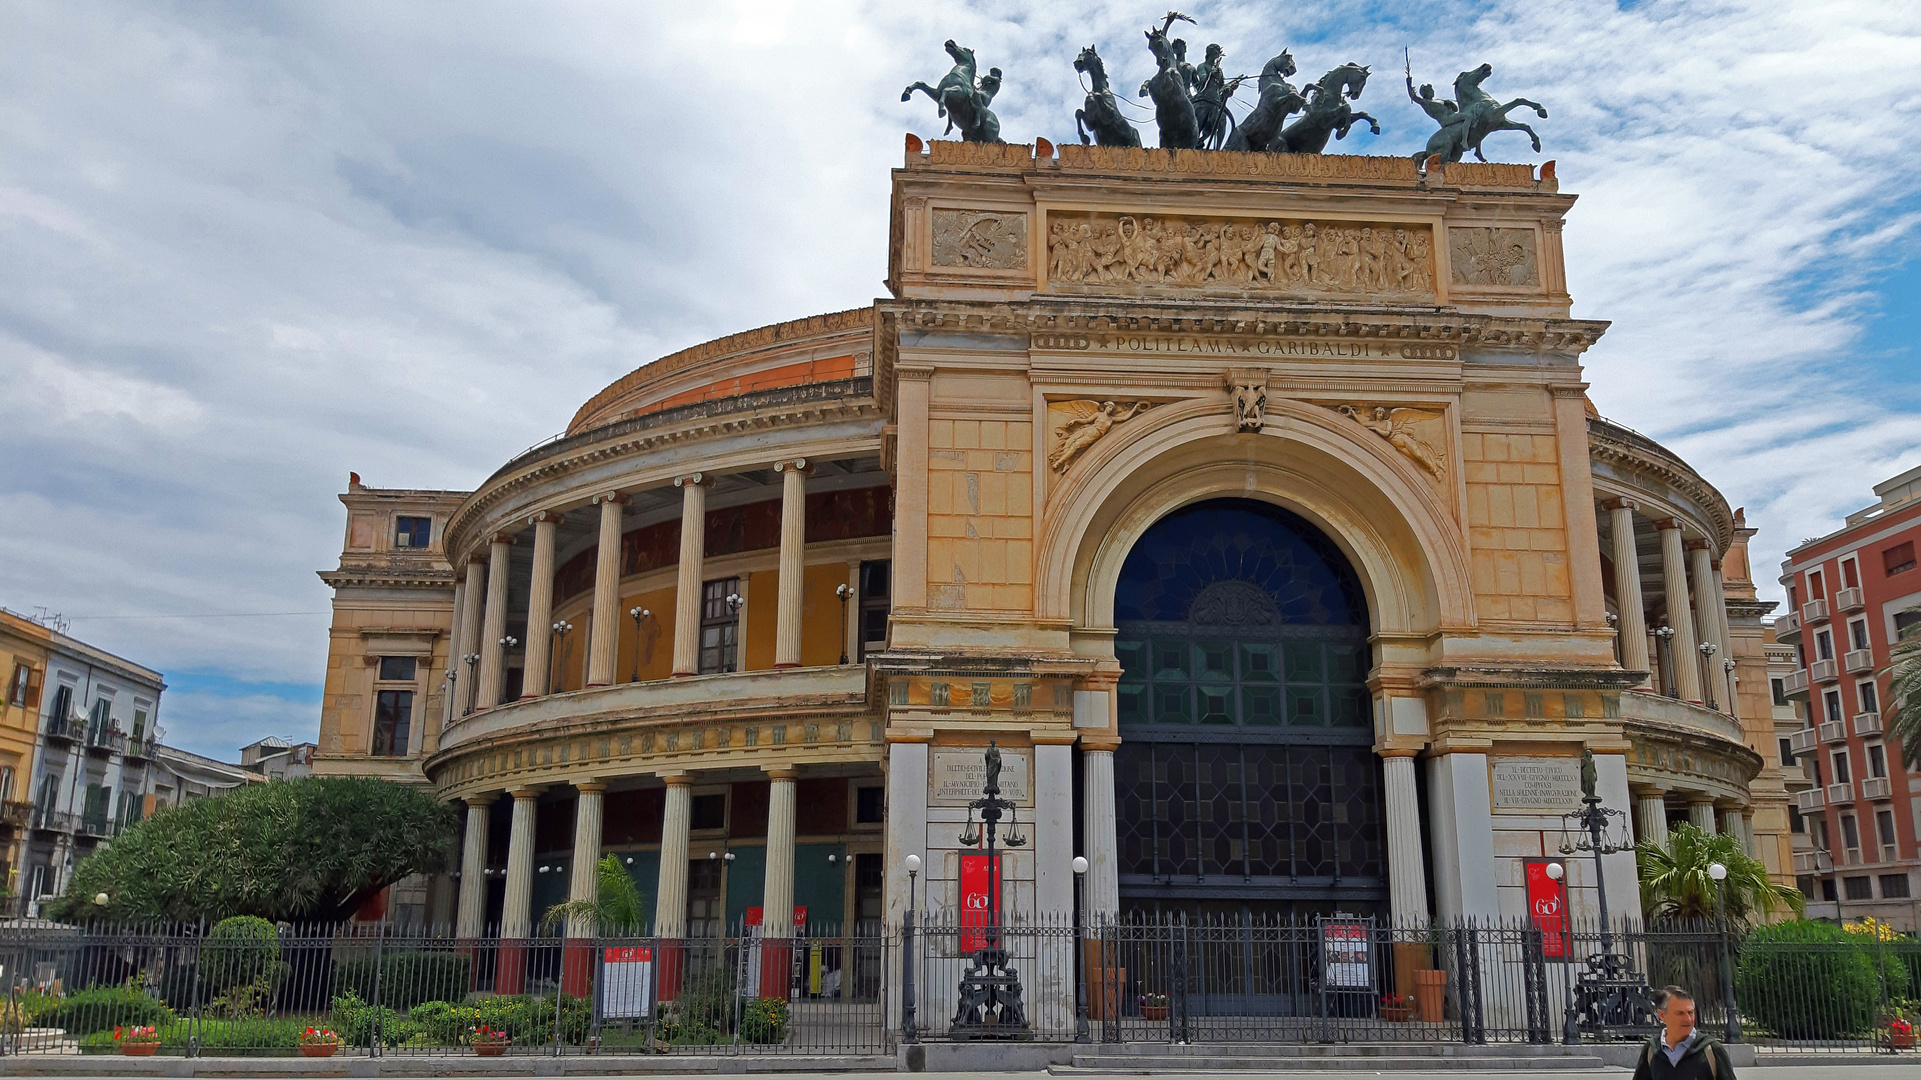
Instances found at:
x=1681 y=1051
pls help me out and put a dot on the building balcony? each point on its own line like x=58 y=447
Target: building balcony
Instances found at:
x=1810 y=800
x=1795 y=683
x=1877 y=787
x=1867 y=723
x=96 y=825
x=1840 y=794
x=1858 y=661
x=1834 y=731
x=1787 y=627
x=54 y=820
x=1804 y=741
x=1849 y=599
x=69 y=730
x=1808 y=862
x=1824 y=671
x=17 y=814
x=106 y=740
x=140 y=747
x=1814 y=611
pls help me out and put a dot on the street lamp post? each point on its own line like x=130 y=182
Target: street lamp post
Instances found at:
x=1727 y=666
x=909 y=1032
x=1570 y=1022
x=561 y=630
x=1707 y=659
x=1666 y=634
x=846 y=593
x=1611 y=994
x=473 y=661
x=735 y=602
x=1080 y=962
x=1720 y=875
x=991 y=1001
x=639 y=614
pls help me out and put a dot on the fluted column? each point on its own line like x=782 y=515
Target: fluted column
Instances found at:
x=493 y=655
x=516 y=914
x=540 y=608
x=693 y=549
x=1731 y=822
x=1701 y=814
x=1651 y=817
x=1098 y=836
x=471 y=919
x=793 y=561
x=1747 y=831
x=605 y=644
x=1406 y=869
x=1631 y=612
x=670 y=894
x=473 y=604
x=1685 y=657
x=1707 y=625
x=584 y=885
x=777 y=893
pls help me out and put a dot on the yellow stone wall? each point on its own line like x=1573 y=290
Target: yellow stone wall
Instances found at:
x=1517 y=528
x=980 y=506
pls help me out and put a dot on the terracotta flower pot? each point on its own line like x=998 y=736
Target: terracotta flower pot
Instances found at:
x=1154 y=1012
x=139 y=1049
x=1394 y=1014
x=1430 y=995
x=321 y=1049
x=1900 y=1040
x=491 y=1048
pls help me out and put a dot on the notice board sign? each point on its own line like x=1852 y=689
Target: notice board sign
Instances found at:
x=1347 y=952
x=975 y=903
x=1547 y=906
x=626 y=982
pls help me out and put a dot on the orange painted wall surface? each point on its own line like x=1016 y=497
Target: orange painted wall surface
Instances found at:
x=812 y=371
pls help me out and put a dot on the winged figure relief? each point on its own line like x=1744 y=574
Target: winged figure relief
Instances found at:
x=1084 y=424
x=1397 y=427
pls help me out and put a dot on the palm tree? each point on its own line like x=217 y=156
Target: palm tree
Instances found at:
x=1904 y=695
x=1675 y=882
x=617 y=906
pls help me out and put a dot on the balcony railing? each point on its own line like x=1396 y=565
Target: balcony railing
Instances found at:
x=1787 y=625
x=1814 y=611
x=1876 y=787
x=1849 y=599
x=1807 y=862
x=1858 y=660
x=106 y=740
x=55 y=820
x=1795 y=683
x=1804 y=741
x=1867 y=723
x=1834 y=731
x=1810 y=800
x=95 y=825
x=17 y=814
x=140 y=746
x=1840 y=794
x=1824 y=671
x=67 y=730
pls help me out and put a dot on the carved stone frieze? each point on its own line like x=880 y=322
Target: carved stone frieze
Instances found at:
x=1416 y=433
x=1248 y=386
x=978 y=238
x=1239 y=256
x=1142 y=159
x=1077 y=425
x=1493 y=257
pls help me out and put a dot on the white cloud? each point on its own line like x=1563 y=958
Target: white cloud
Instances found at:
x=247 y=248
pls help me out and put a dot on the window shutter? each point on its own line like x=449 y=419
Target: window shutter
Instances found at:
x=34 y=682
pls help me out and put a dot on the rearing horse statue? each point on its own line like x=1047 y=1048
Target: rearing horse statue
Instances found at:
x=1476 y=117
x=962 y=99
x=1101 y=113
x=1260 y=128
x=1328 y=112
x=1173 y=109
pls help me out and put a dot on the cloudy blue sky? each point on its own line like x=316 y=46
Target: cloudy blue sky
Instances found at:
x=247 y=247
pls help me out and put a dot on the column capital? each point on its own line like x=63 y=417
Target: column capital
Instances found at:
x=546 y=517
x=607 y=497
x=1577 y=390
x=477 y=557
x=798 y=465
x=1694 y=545
x=1099 y=744
x=1051 y=738
x=1667 y=523
x=592 y=785
x=781 y=772
x=479 y=802
x=913 y=372
x=1397 y=751
x=1649 y=792
x=676 y=779
x=506 y=538
x=526 y=794
x=693 y=479
x=1714 y=564
x=1699 y=798
x=1619 y=504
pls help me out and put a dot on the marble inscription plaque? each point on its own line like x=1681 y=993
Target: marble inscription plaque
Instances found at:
x=959 y=774
x=1537 y=784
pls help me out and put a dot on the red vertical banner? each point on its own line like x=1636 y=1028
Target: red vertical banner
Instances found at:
x=975 y=903
x=1547 y=906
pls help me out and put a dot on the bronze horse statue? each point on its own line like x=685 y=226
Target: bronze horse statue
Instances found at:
x=1475 y=116
x=1101 y=113
x=1328 y=112
x=962 y=99
x=1212 y=88
x=1173 y=109
x=1258 y=130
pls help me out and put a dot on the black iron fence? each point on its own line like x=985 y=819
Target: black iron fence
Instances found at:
x=253 y=988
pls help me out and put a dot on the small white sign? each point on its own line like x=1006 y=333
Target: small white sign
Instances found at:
x=626 y=982
x=1552 y=783
x=959 y=776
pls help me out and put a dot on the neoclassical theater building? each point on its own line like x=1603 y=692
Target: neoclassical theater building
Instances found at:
x=1252 y=505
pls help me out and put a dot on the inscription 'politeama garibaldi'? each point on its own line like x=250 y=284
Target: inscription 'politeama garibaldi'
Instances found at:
x=1208 y=346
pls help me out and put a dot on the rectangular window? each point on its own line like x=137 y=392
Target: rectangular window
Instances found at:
x=1850 y=833
x=1877 y=760
x=1894 y=886
x=139 y=722
x=62 y=704
x=1898 y=559
x=708 y=813
x=1868 y=695
x=1787 y=754
x=1824 y=646
x=398 y=668
x=1831 y=701
x=101 y=717
x=1796 y=823
x=870 y=805
x=876 y=603
x=413 y=532
x=1841 y=774
x=1858 y=888
x=1858 y=634
x=1827 y=889
x=1780 y=692
x=1884 y=827
x=17 y=689
x=1850 y=575
x=1815 y=590
x=393 y=723
x=719 y=627
x=1907 y=624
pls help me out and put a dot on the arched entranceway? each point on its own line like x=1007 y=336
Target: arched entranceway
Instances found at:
x=1246 y=783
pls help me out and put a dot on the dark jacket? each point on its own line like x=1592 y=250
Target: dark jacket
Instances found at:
x=1705 y=1059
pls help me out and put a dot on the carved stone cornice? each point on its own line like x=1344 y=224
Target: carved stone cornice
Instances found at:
x=1504 y=678
x=1750 y=609
x=1612 y=444
x=362 y=578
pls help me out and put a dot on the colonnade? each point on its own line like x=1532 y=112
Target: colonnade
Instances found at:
x=1693 y=656
x=483 y=612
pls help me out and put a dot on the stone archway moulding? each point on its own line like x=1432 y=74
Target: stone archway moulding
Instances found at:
x=1370 y=502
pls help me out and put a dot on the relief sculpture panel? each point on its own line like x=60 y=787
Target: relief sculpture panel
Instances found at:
x=978 y=238
x=1493 y=257
x=1239 y=256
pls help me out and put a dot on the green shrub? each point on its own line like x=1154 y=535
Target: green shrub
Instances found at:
x=764 y=1021
x=355 y=1021
x=1813 y=980
x=239 y=951
x=225 y=1038
x=406 y=978
x=103 y=1008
